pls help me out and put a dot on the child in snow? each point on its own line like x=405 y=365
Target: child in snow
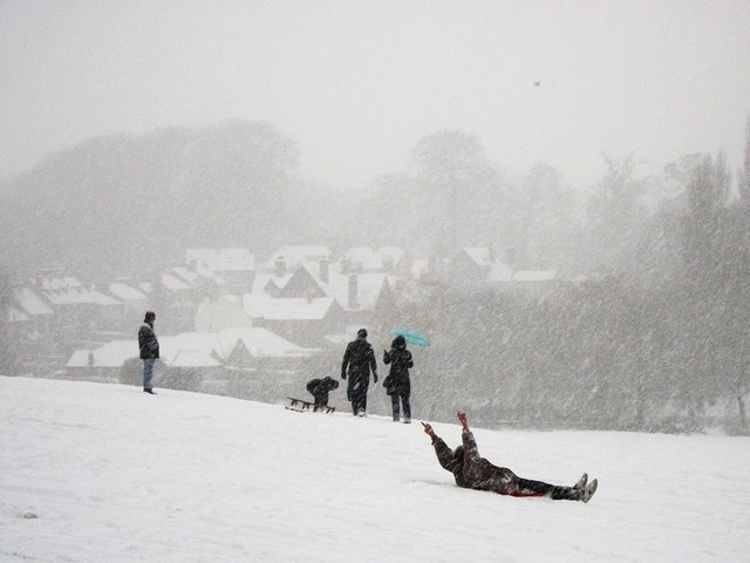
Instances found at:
x=319 y=389
x=474 y=472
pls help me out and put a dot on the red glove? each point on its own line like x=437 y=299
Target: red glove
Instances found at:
x=463 y=420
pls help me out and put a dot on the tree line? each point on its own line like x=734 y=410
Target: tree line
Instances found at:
x=658 y=340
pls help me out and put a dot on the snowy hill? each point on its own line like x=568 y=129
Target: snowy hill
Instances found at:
x=112 y=474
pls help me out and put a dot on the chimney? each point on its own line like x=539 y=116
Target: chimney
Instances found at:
x=324 y=271
x=91 y=359
x=279 y=266
x=510 y=257
x=491 y=253
x=353 y=297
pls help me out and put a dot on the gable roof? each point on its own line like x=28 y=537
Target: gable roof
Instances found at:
x=369 y=286
x=296 y=254
x=79 y=295
x=31 y=302
x=200 y=274
x=481 y=255
x=110 y=355
x=173 y=283
x=261 y=343
x=286 y=308
x=13 y=314
x=55 y=284
x=124 y=292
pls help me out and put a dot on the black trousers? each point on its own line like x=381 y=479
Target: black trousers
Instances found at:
x=404 y=400
x=321 y=400
x=359 y=400
x=529 y=488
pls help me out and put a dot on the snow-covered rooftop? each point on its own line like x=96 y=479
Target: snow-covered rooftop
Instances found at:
x=31 y=302
x=479 y=254
x=55 y=284
x=369 y=286
x=296 y=254
x=264 y=307
x=198 y=275
x=125 y=292
x=13 y=314
x=110 y=355
x=173 y=283
x=79 y=295
x=261 y=342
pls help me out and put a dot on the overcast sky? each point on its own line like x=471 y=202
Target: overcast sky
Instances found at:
x=356 y=84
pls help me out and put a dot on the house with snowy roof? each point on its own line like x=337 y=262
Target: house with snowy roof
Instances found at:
x=134 y=302
x=365 y=259
x=299 y=319
x=470 y=266
x=172 y=298
x=249 y=362
x=234 y=267
x=81 y=311
x=30 y=304
x=292 y=255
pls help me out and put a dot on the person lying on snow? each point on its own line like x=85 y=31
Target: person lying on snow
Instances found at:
x=474 y=472
x=319 y=389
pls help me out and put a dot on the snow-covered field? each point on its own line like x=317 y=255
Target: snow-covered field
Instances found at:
x=115 y=475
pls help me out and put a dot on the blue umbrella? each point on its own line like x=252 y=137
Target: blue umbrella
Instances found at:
x=411 y=336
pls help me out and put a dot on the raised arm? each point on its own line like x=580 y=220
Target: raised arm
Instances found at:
x=443 y=452
x=470 y=445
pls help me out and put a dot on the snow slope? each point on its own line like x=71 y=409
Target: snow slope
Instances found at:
x=115 y=475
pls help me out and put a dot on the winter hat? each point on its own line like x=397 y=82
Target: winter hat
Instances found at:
x=399 y=342
x=362 y=333
x=150 y=317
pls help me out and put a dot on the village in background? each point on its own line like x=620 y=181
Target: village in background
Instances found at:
x=618 y=306
x=231 y=324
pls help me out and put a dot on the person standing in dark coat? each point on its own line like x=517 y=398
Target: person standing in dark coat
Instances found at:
x=319 y=389
x=149 y=346
x=397 y=383
x=359 y=361
x=473 y=472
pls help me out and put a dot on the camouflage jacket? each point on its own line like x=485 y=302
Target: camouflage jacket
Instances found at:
x=472 y=471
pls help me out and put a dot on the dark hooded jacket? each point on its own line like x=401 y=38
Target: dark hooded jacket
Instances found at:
x=319 y=388
x=397 y=382
x=147 y=342
x=472 y=471
x=359 y=361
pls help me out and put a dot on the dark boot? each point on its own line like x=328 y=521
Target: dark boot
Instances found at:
x=149 y=390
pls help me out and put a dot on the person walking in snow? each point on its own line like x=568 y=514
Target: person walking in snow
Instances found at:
x=149 y=346
x=320 y=388
x=473 y=472
x=397 y=383
x=359 y=361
